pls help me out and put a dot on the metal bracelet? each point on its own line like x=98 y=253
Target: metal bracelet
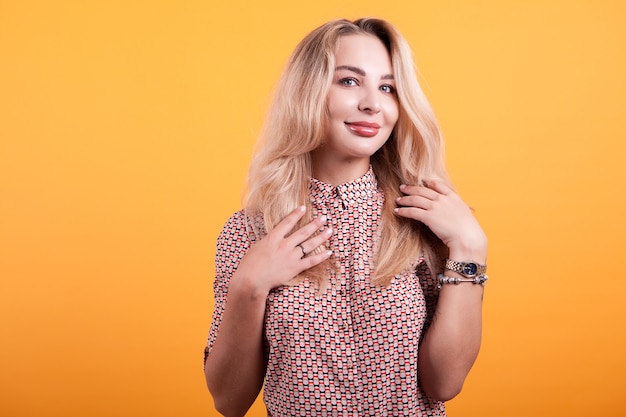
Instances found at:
x=442 y=279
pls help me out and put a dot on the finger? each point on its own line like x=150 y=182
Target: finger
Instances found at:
x=286 y=225
x=306 y=231
x=312 y=260
x=412 y=213
x=419 y=190
x=438 y=186
x=415 y=201
x=313 y=243
x=300 y=250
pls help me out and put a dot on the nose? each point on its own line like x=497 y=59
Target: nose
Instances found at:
x=369 y=101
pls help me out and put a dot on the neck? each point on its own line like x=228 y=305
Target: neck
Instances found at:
x=334 y=173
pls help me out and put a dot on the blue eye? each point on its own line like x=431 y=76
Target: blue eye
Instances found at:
x=348 y=82
x=387 y=89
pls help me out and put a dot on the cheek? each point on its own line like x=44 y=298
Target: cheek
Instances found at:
x=339 y=104
x=393 y=112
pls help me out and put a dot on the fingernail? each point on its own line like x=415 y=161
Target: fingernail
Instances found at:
x=329 y=231
x=323 y=218
x=402 y=186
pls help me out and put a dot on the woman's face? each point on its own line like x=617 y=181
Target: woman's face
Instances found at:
x=362 y=102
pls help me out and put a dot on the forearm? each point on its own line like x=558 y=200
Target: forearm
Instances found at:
x=452 y=342
x=235 y=367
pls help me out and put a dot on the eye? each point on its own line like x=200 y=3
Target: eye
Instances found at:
x=388 y=88
x=348 y=82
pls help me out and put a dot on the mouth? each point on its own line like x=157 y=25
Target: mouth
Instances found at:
x=362 y=128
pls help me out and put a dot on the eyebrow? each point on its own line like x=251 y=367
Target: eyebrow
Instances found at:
x=361 y=72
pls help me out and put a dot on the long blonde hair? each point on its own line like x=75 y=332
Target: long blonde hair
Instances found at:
x=281 y=168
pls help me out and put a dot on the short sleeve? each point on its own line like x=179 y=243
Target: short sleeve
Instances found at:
x=232 y=244
x=430 y=290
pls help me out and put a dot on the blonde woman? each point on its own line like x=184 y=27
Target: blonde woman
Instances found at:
x=352 y=281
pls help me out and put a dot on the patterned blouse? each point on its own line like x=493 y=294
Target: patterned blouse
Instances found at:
x=352 y=349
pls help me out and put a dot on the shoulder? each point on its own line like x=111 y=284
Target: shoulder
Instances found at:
x=242 y=226
x=233 y=242
x=235 y=223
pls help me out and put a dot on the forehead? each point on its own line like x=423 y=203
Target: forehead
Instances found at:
x=363 y=51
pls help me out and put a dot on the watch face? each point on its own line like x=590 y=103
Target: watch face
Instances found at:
x=470 y=269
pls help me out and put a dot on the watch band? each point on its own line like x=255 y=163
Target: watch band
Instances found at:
x=468 y=269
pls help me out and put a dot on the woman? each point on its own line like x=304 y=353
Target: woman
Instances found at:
x=327 y=288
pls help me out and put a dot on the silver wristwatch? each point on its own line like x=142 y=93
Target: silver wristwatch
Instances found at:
x=468 y=269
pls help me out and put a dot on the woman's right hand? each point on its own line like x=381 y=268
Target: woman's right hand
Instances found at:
x=279 y=257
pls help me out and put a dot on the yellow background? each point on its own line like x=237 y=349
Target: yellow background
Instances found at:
x=126 y=128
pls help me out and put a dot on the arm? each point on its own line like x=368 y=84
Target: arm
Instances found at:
x=235 y=365
x=451 y=343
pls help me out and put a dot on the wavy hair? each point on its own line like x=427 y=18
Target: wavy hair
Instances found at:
x=281 y=167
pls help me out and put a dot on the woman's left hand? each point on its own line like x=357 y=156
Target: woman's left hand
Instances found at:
x=441 y=209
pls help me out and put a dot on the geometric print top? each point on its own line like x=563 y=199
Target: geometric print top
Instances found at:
x=352 y=349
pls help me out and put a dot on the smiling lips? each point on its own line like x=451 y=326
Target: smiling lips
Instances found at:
x=366 y=129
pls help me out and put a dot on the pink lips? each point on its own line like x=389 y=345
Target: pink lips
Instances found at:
x=366 y=129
